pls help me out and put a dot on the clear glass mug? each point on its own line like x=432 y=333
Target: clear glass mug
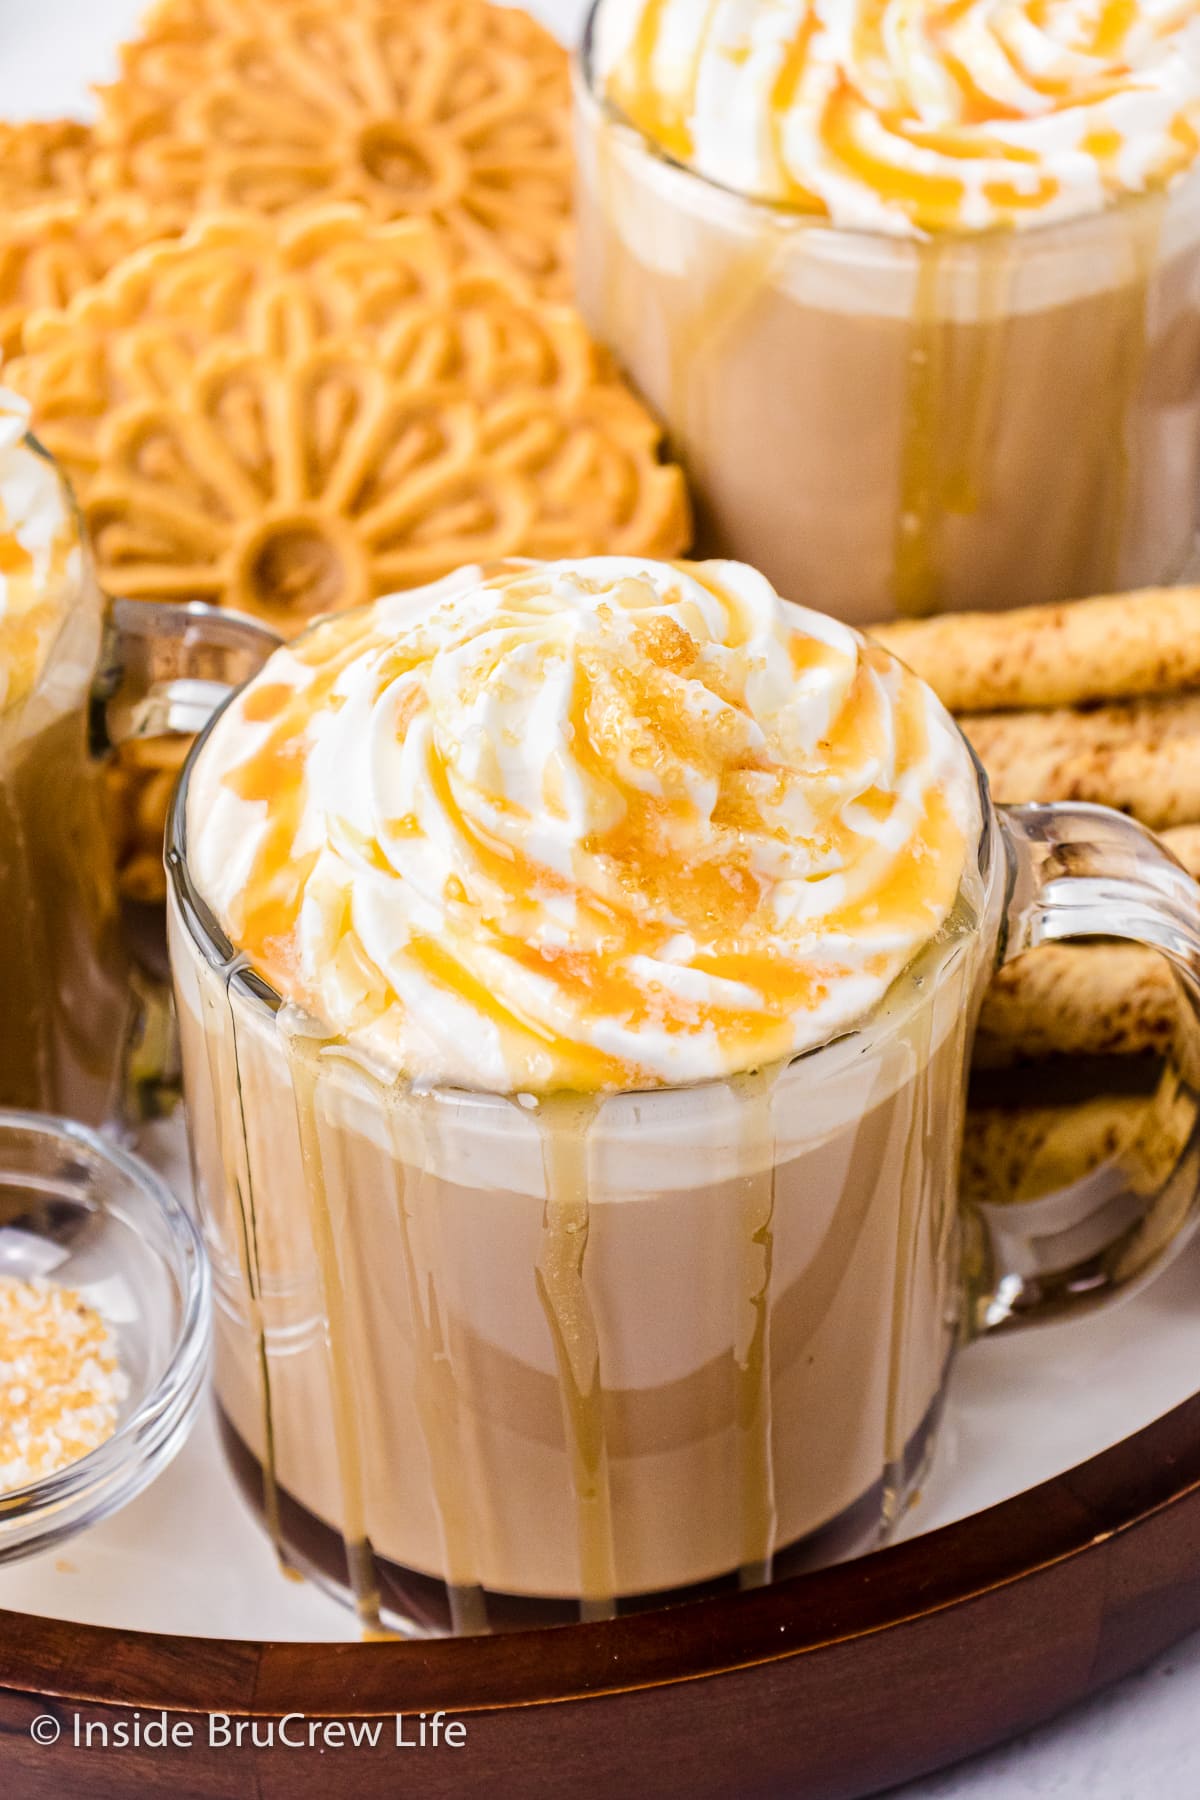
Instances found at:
x=68 y=1009
x=485 y=1362
x=885 y=425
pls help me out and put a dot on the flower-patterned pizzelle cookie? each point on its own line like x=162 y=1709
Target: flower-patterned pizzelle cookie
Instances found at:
x=292 y=418
x=457 y=110
x=43 y=160
x=55 y=236
x=48 y=253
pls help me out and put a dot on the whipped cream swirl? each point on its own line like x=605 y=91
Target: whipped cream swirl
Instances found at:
x=589 y=825
x=903 y=117
x=39 y=554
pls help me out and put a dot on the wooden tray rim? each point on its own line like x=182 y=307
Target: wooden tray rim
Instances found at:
x=1074 y=1514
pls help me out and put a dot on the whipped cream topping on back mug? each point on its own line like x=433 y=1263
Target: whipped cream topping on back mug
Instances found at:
x=588 y=825
x=911 y=116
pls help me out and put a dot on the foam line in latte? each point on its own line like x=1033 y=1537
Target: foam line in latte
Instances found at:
x=591 y=825
x=954 y=115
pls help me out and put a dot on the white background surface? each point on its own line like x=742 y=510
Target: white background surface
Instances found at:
x=188 y=1551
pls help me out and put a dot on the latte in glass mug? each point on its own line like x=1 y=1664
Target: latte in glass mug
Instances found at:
x=576 y=967
x=916 y=290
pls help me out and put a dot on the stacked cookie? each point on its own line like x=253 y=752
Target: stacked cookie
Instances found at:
x=56 y=234
x=453 y=110
x=1097 y=701
x=296 y=328
x=291 y=416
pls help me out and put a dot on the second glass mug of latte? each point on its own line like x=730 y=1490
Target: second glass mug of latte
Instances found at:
x=76 y=675
x=485 y=1360
x=904 y=423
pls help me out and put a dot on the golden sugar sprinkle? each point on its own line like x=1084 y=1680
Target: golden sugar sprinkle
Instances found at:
x=61 y=1383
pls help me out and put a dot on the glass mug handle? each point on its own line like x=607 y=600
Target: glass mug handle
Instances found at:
x=166 y=667
x=1088 y=872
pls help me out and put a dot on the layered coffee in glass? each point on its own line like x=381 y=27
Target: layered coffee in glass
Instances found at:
x=576 y=968
x=915 y=291
x=64 y=999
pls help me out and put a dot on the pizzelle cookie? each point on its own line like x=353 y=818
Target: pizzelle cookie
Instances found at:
x=288 y=418
x=50 y=252
x=54 y=238
x=456 y=110
x=43 y=160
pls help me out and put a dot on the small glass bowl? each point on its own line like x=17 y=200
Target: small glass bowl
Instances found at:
x=81 y=1212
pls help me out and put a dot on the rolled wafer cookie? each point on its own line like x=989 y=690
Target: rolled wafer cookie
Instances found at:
x=1115 y=647
x=1141 y=755
x=1110 y=999
x=1015 y=1154
x=1078 y=1000
x=1102 y=732
x=1183 y=841
x=1167 y=1128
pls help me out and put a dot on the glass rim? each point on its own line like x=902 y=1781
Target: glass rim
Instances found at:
x=819 y=225
x=220 y=954
x=168 y=1400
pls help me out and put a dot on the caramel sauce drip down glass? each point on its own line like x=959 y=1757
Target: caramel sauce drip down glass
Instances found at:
x=894 y=425
x=486 y=1361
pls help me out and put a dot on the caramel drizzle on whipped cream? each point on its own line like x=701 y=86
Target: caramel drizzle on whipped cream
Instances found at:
x=38 y=556
x=588 y=826
x=913 y=115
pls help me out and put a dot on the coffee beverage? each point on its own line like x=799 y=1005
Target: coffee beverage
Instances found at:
x=65 y=1002
x=916 y=294
x=583 y=1350
x=576 y=966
